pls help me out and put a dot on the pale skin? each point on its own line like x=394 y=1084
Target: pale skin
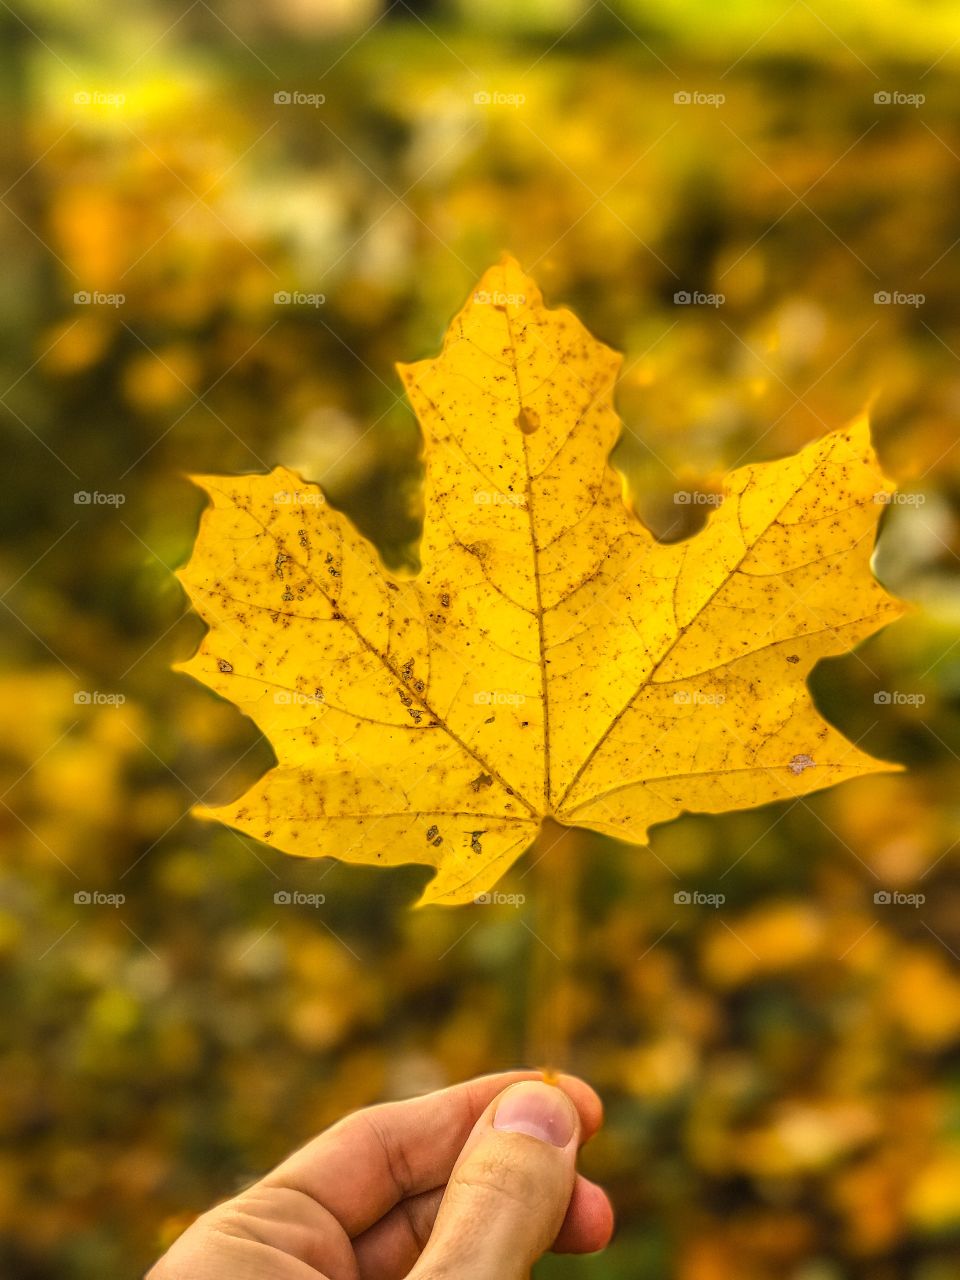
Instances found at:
x=474 y=1182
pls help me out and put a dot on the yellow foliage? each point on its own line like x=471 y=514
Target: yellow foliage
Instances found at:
x=771 y=939
x=933 y=1201
x=923 y=997
x=803 y=1137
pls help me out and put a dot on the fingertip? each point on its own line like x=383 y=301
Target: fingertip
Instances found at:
x=538 y=1110
x=589 y=1222
x=582 y=1095
x=585 y=1099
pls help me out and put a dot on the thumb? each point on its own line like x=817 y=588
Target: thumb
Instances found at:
x=508 y=1193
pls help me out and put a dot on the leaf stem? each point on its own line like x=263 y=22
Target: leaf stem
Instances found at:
x=552 y=922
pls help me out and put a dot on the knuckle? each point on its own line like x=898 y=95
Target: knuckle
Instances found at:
x=394 y=1154
x=234 y=1219
x=192 y=1250
x=503 y=1172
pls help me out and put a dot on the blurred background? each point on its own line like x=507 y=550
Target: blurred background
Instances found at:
x=221 y=224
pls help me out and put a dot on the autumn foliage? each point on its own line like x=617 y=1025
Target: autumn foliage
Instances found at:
x=780 y=1068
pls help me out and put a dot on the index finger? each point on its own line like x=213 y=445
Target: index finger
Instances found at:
x=373 y=1159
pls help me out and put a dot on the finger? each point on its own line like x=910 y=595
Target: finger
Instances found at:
x=588 y=1225
x=369 y=1162
x=392 y=1246
x=509 y=1192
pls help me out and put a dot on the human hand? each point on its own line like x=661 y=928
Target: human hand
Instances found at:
x=475 y=1182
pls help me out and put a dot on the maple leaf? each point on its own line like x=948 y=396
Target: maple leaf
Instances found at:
x=550 y=658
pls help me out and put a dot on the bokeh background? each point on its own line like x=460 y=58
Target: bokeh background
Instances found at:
x=781 y=1072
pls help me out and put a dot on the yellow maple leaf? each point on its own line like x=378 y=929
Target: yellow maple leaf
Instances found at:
x=551 y=658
